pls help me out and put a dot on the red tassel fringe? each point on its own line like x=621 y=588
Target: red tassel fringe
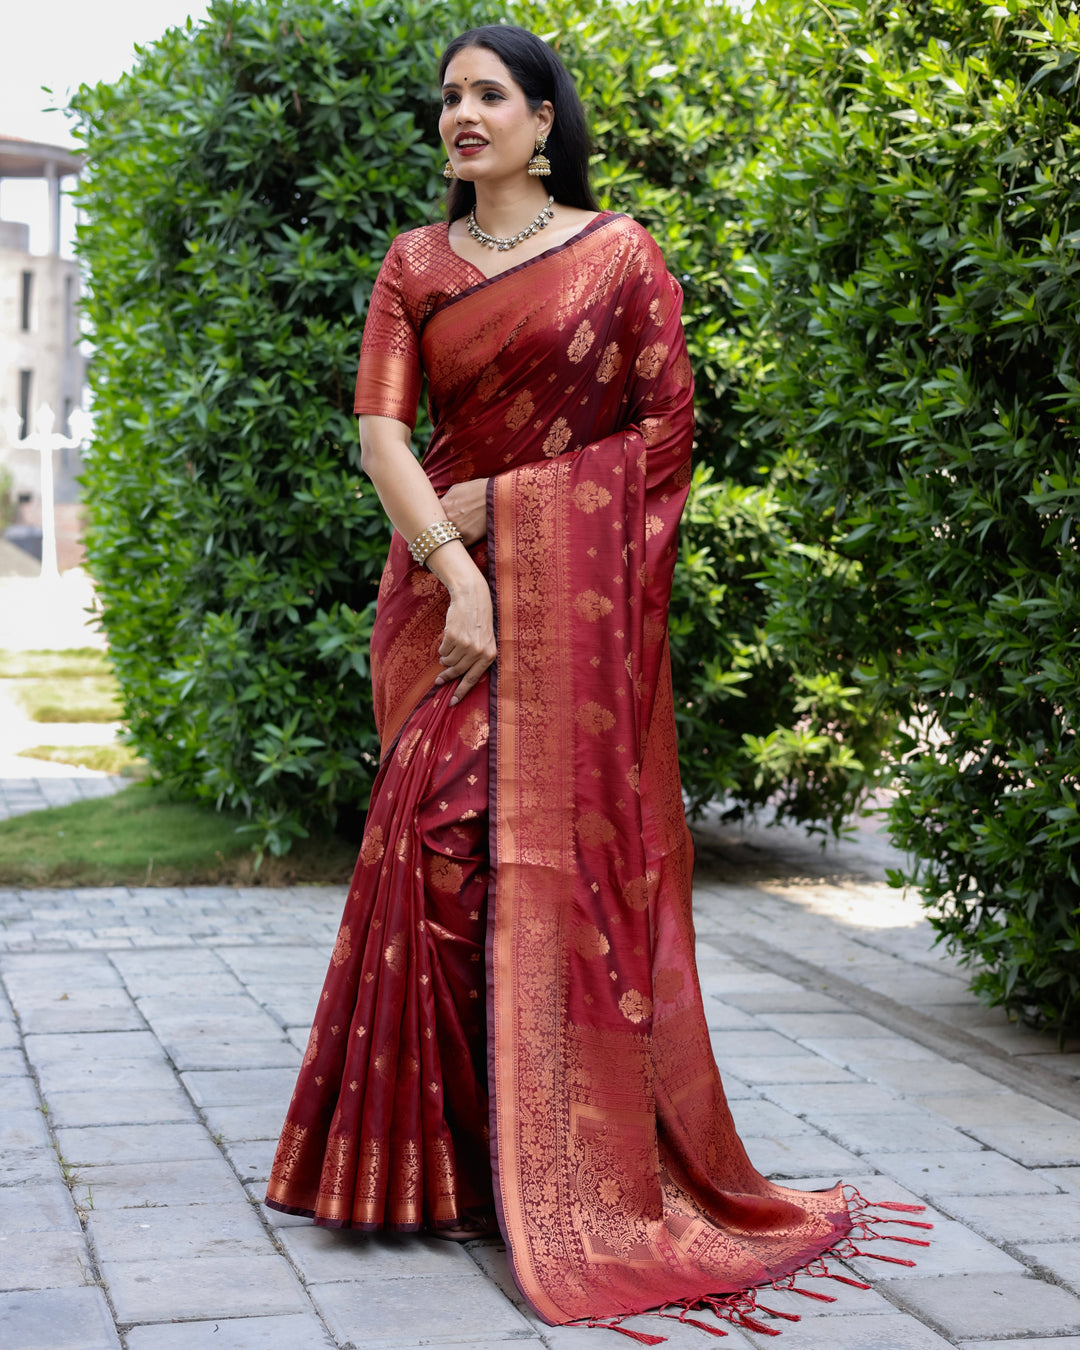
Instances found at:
x=739 y=1309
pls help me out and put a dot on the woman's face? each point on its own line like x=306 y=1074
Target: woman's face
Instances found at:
x=487 y=126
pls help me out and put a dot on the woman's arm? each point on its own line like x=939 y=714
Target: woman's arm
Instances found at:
x=468 y=645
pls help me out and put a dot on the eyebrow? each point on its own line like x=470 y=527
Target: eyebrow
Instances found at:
x=477 y=84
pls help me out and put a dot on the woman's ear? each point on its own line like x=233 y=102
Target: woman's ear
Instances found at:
x=545 y=119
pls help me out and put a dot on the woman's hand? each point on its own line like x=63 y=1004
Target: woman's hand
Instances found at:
x=468 y=645
x=466 y=505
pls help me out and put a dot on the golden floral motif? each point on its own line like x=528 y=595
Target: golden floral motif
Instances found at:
x=488 y=383
x=395 y=952
x=593 y=828
x=634 y=1006
x=651 y=360
x=444 y=875
x=589 y=941
x=408 y=743
x=609 y=364
x=589 y=496
x=312 y=1052
x=653 y=526
x=475 y=730
x=342 y=947
x=371 y=850
x=595 y=719
x=557 y=438
x=591 y=605
x=520 y=411
x=583 y=339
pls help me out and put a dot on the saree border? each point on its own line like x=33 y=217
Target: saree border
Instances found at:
x=527 y=844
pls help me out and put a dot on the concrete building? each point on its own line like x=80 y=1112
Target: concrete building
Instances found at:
x=40 y=358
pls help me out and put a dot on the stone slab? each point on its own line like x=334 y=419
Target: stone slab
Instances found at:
x=57 y=1319
x=898 y=1134
x=953 y=1250
x=82 y=1010
x=20 y=1094
x=803 y=1025
x=216 y=983
x=327 y=1256
x=23 y=1130
x=179 y=1233
x=62 y=1047
x=895 y=1332
x=201 y=1052
x=37 y=1208
x=396 y=1311
x=252 y=1158
x=820 y=1102
x=1040 y=1343
x=302 y=1331
x=1020 y=1218
x=799 y=1154
x=996 y=1110
x=719 y=1016
x=960 y=1173
x=106 y=1107
x=1068 y=1178
x=860 y=1053
x=149 y=1185
x=240 y=1087
x=766 y=1120
x=1033 y=1145
x=794 y=1068
x=939 y=1077
x=750 y=1044
x=27 y=1165
x=245 y=1026
x=43 y=1260
x=790 y=1000
x=116 y=1075
x=12 y=1063
x=158 y=1290
x=246 y=1122
x=989 y=1305
x=101 y=1145
x=1061 y=1259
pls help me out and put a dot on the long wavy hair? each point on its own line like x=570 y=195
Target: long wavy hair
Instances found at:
x=540 y=75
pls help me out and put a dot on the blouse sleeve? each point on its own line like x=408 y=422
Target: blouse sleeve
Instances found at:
x=388 y=379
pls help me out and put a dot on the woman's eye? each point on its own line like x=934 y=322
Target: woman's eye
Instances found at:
x=448 y=99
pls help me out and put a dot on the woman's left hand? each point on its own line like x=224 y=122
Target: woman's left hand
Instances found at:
x=466 y=505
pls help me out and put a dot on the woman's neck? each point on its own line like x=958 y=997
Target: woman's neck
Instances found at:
x=504 y=209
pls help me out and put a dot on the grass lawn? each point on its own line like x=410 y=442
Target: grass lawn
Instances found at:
x=76 y=685
x=82 y=698
x=145 y=836
x=114 y=758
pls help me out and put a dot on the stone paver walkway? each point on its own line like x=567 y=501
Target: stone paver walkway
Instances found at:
x=149 y=1042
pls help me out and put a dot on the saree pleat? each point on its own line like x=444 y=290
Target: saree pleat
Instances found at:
x=512 y=1008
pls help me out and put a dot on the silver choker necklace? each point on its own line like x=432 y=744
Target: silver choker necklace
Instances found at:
x=493 y=240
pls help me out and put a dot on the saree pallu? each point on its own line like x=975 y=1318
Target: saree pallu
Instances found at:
x=619 y=1180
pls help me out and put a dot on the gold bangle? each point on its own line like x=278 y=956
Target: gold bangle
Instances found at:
x=427 y=541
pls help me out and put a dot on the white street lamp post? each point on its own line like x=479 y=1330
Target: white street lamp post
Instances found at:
x=45 y=441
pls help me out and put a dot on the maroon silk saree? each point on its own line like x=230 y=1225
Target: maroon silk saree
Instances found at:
x=512 y=1013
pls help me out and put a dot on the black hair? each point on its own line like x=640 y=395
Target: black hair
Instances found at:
x=540 y=75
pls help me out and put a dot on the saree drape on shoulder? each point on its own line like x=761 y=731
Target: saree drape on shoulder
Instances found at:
x=513 y=1001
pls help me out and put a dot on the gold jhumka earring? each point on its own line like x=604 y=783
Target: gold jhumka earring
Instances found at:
x=539 y=165
x=448 y=170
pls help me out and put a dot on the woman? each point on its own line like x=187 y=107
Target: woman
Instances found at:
x=517 y=944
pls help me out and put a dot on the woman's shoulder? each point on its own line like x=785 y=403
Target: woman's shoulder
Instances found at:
x=638 y=245
x=419 y=245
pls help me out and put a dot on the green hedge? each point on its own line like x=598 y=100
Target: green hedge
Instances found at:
x=244 y=182
x=918 y=285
